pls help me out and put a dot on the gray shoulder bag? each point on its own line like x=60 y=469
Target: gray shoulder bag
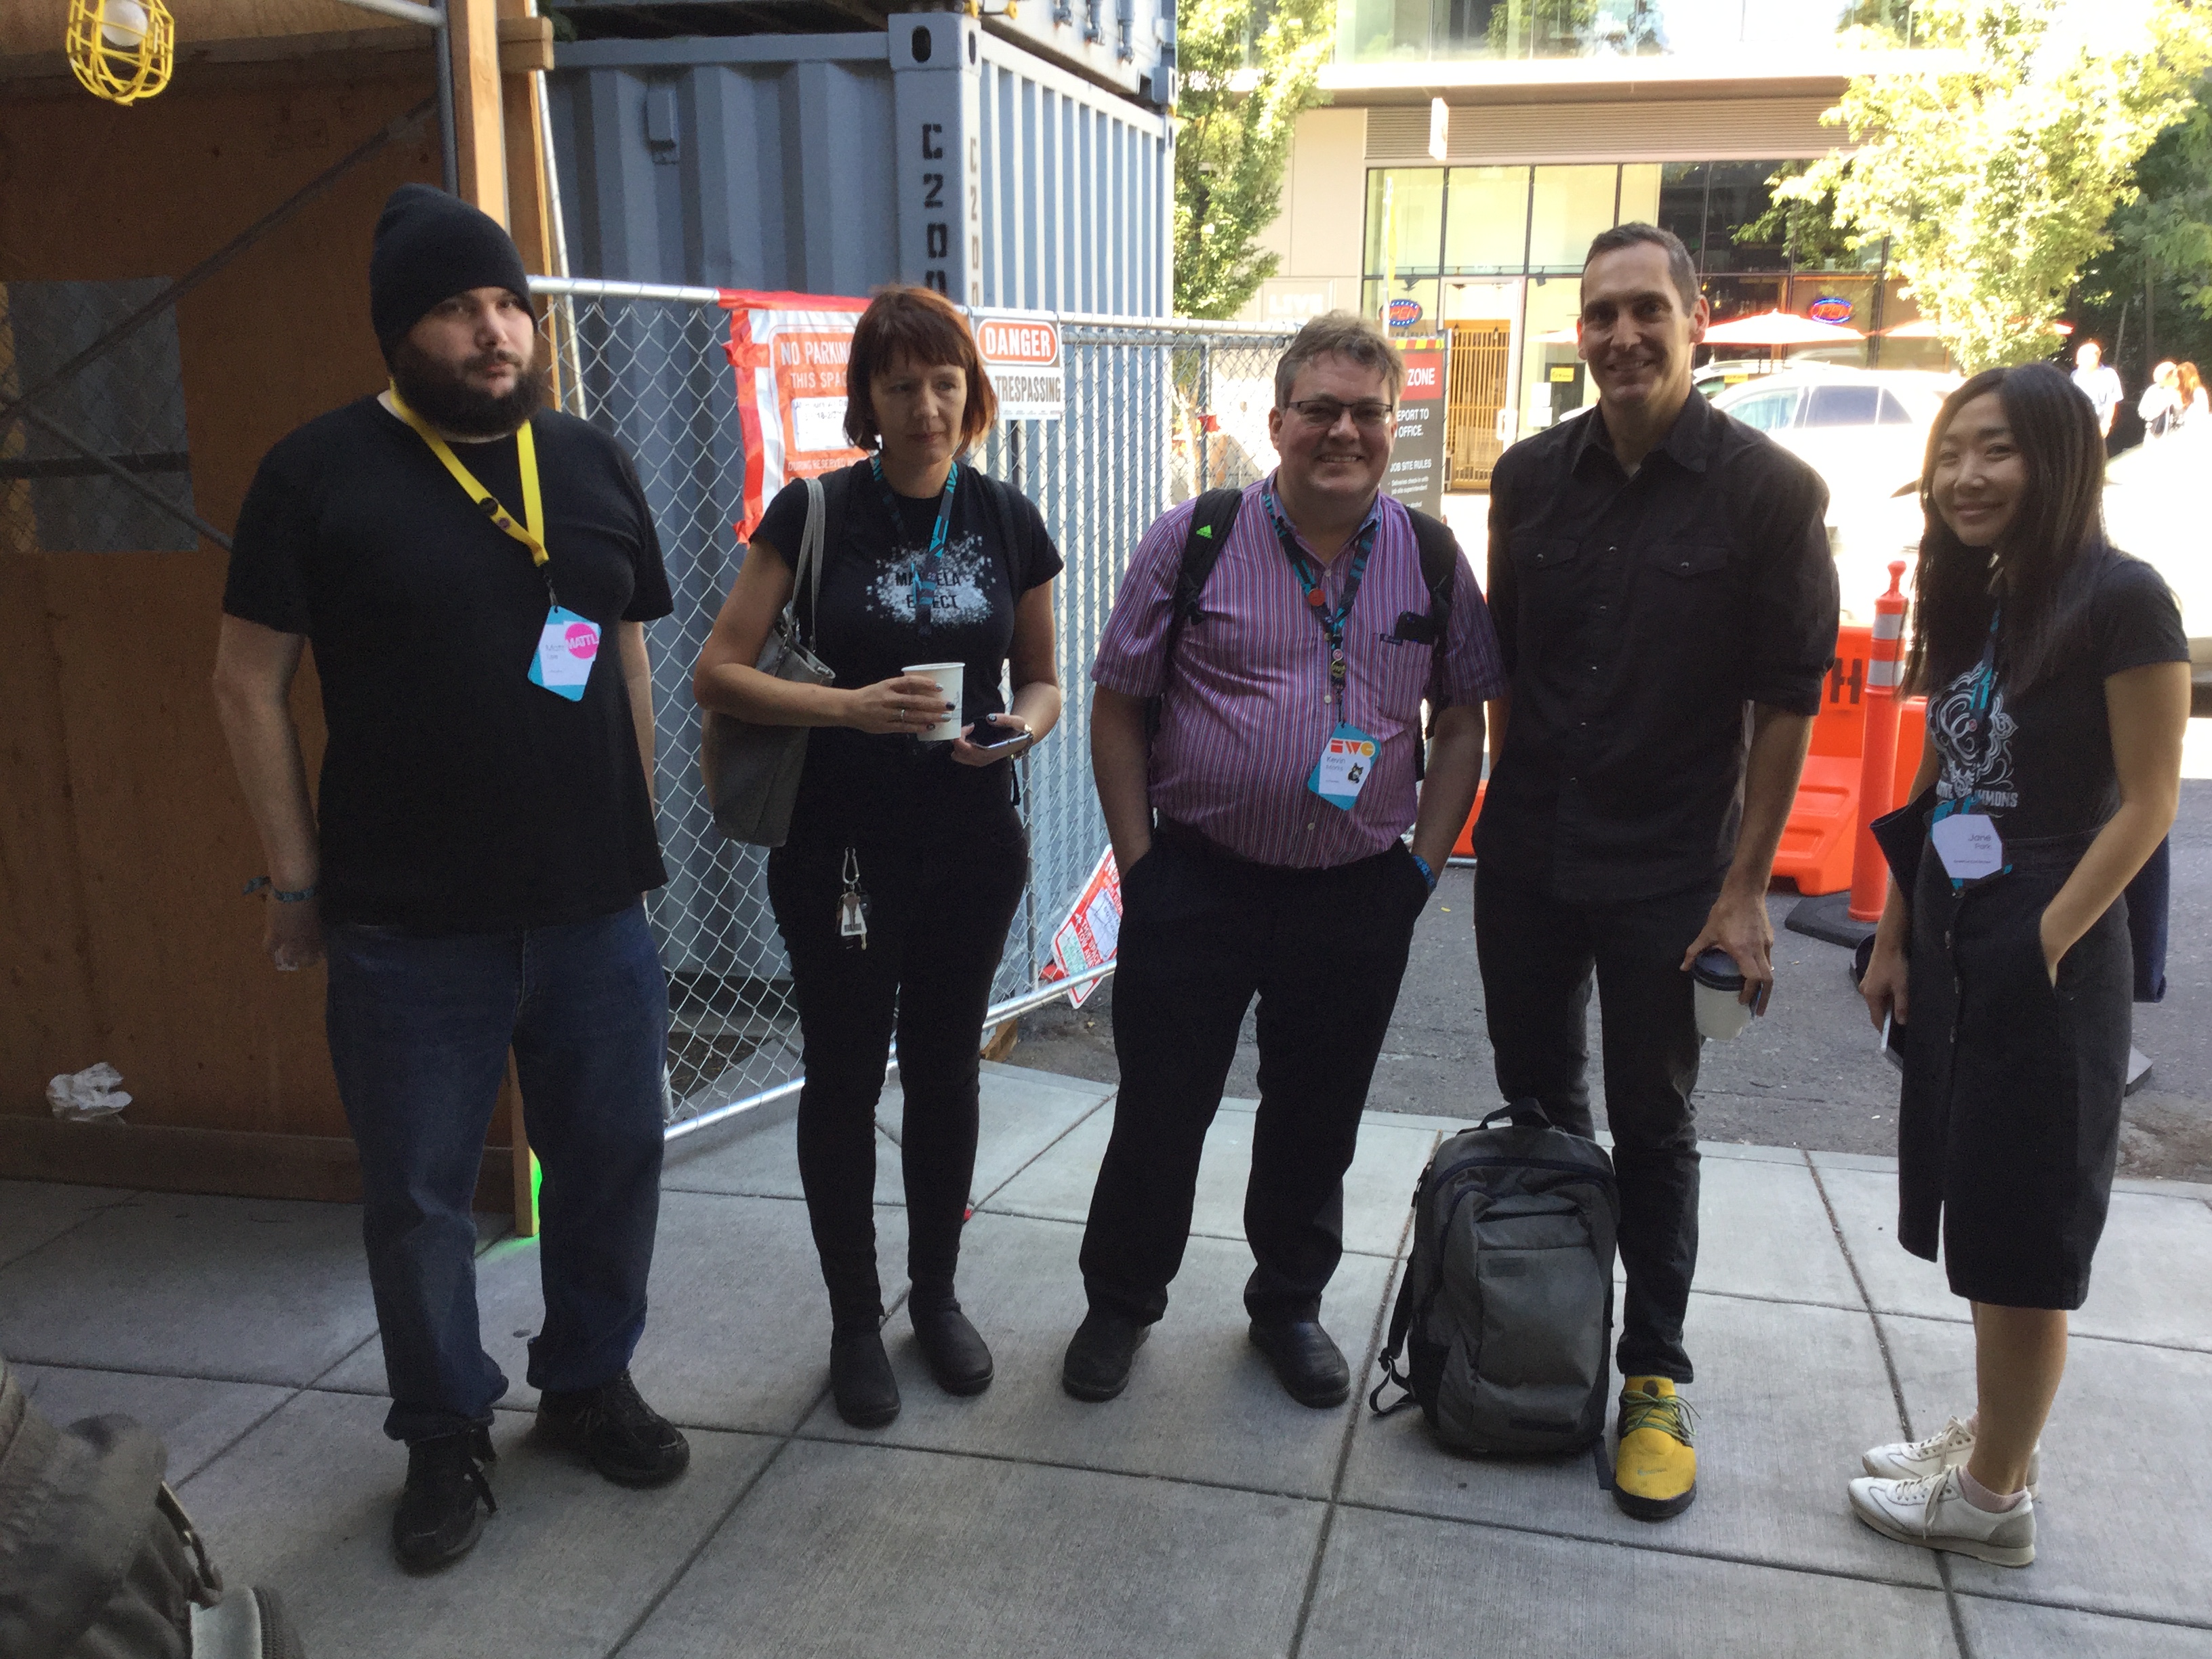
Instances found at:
x=752 y=771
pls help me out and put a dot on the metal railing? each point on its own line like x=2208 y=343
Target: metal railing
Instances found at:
x=1157 y=410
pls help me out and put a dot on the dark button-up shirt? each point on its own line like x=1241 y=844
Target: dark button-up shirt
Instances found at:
x=1247 y=711
x=1638 y=618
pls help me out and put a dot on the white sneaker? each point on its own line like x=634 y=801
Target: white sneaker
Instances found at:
x=1934 y=1513
x=1947 y=1448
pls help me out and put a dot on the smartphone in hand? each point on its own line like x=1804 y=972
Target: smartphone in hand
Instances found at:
x=988 y=734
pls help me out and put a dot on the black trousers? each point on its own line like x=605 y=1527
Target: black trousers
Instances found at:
x=937 y=924
x=1201 y=934
x=1538 y=955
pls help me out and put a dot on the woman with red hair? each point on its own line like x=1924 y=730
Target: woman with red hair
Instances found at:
x=906 y=860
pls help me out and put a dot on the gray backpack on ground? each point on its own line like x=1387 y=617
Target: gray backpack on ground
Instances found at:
x=98 y=1561
x=1505 y=1316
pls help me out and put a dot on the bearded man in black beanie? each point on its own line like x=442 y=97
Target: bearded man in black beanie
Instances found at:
x=461 y=558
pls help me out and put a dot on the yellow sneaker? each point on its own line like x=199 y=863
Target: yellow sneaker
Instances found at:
x=1655 y=1469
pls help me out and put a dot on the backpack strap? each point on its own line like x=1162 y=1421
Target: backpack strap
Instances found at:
x=1402 y=1322
x=1440 y=563
x=999 y=494
x=1210 y=521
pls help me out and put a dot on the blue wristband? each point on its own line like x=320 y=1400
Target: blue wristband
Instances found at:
x=1427 y=874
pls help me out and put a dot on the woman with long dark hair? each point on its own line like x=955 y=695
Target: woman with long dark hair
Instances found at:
x=905 y=860
x=2057 y=682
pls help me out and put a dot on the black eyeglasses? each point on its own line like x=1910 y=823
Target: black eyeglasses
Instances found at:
x=1323 y=413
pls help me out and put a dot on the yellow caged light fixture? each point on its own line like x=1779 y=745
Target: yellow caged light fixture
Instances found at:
x=121 y=49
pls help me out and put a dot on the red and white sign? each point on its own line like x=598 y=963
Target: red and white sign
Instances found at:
x=1021 y=353
x=1087 y=938
x=789 y=351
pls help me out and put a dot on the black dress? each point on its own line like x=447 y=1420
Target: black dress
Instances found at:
x=2009 y=1121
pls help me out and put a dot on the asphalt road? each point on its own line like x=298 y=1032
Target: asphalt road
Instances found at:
x=1806 y=1075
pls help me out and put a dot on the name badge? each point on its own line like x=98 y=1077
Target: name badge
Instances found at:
x=1346 y=760
x=567 y=646
x=1969 y=845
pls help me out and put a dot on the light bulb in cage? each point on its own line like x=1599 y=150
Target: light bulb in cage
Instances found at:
x=121 y=49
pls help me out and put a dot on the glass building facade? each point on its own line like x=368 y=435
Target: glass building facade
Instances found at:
x=1415 y=31
x=1491 y=257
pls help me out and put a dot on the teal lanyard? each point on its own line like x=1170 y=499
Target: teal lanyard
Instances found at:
x=1977 y=708
x=1316 y=595
x=921 y=568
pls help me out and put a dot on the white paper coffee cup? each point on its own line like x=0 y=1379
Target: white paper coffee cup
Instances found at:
x=952 y=679
x=1721 y=1012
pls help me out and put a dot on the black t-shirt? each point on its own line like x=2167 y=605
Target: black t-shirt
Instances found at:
x=2047 y=767
x=456 y=796
x=857 y=787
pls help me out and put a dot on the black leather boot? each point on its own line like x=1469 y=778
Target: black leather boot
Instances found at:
x=860 y=1380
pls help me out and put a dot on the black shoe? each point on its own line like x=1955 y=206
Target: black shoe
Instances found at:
x=442 y=1511
x=1099 y=1355
x=955 y=1351
x=1306 y=1360
x=616 y=1432
x=860 y=1380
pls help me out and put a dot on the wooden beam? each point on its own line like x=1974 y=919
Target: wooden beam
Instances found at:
x=525 y=47
x=472 y=33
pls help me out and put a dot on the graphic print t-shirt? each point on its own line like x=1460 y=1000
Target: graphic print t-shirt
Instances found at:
x=857 y=787
x=2041 y=765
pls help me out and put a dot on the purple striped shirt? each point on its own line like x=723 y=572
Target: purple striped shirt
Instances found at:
x=1246 y=713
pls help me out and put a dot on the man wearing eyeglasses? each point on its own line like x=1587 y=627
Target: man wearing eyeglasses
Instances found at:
x=1667 y=604
x=1257 y=763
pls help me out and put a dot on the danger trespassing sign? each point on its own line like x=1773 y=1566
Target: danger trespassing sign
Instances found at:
x=1021 y=353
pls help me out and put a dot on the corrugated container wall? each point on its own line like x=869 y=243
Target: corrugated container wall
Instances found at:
x=830 y=164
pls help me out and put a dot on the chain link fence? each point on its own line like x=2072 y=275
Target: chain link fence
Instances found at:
x=1156 y=411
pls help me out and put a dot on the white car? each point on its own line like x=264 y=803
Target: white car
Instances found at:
x=1865 y=432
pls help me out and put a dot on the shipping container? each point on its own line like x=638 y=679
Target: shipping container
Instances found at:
x=933 y=152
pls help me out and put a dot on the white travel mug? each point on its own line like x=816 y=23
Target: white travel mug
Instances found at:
x=951 y=680
x=1721 y=1012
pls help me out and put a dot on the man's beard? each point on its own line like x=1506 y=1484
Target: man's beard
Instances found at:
x=444 y=399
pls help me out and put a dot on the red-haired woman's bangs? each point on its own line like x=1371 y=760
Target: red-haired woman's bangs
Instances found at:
x=918 y=326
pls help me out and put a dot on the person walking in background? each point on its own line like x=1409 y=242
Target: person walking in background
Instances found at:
x=2057 y=680
x=2162 y=405
x=1258 y=831
x=461 y=557
x=1666 y=603
x=2099 y=383
x=2195 y=403
x=906 y=860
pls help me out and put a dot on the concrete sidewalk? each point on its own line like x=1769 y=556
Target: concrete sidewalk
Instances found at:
x=1201 y=1513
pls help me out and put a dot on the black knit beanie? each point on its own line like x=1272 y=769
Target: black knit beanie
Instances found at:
x=430 y=246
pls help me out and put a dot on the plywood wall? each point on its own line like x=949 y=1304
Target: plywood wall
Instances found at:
x=37 y=26
x=123 y=837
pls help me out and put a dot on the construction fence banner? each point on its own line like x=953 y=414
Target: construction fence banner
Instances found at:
x=1088 y=934
x=1416 y=473
x=789 y=352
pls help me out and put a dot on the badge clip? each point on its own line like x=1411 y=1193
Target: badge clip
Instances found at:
x=852 y=905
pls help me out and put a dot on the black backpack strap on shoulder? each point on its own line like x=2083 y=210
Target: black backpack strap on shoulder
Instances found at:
x=1000 y=495
x=1210 y=521
x=1440 y=562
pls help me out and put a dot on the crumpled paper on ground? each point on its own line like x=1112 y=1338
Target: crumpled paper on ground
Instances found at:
x=88 y=1096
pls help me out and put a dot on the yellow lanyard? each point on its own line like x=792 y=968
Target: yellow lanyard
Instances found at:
x=525 y=449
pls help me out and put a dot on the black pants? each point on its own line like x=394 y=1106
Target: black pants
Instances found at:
x=937 y=925
x=1538 y=954
x=1201 y=934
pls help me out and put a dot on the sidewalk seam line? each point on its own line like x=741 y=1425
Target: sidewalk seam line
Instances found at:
x=2167 y=1619
x=1896 y=1395
x=89 y=1216
x=1399 y=1268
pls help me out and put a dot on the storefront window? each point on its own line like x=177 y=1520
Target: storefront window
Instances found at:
x=1412 y=301
x=1405 y=220
x=1682 y=210
x=1573 y=204
x=1639 y=193
x=1740 y=196
x=1554 y=381
x=1486 y=219
x=1847 y=300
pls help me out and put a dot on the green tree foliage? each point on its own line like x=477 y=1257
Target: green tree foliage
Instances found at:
x=1993 y=176
x=1806 y=227
x=2169 y=224
x=1232 y=133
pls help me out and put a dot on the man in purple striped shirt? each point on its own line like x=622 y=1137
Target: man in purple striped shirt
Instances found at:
x=1258 y=831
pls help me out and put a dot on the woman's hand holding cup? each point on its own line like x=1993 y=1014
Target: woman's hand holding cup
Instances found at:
x=905 y=703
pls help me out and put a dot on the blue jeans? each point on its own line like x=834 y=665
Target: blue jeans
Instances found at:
x=419 y=1029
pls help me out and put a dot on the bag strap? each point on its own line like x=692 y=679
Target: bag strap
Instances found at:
x=1526 y=1112
x=1210 y=521
x=1402 y=1322
x=1440 y=563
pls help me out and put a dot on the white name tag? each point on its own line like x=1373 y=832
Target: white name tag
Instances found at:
x=1969 y=845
